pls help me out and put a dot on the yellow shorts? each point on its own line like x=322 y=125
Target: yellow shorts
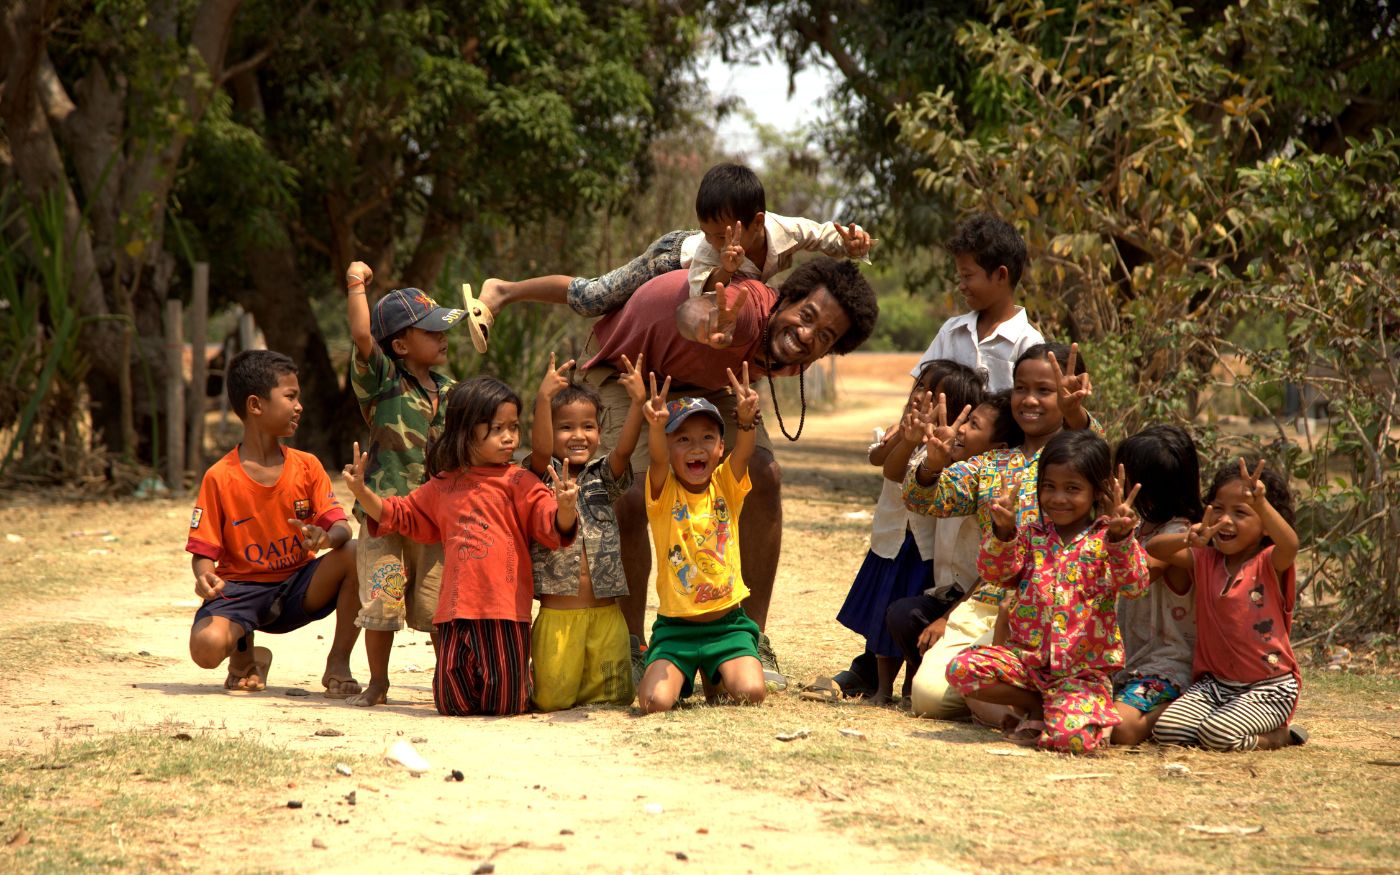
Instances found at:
x=581 y=657
x=400 y=581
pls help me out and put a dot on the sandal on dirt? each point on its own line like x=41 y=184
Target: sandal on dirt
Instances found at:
x=852 y=685
x=254 y=679
x=1027 y=733
x=479 y=319
x=340 y=688
x=1297 y=735
x=821 y=689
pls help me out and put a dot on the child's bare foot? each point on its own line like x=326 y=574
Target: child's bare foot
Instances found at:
x=247 y=672
x=377 y=693
x=491 y=296
x=880 y=700
x=339 y=681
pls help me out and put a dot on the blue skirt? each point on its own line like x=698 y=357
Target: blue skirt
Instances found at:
x=879 y=583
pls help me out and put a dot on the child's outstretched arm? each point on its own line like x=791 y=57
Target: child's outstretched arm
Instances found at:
x=747 y=416
x=912 y=429
x=855 y=242
x=354 y=476
x=1073 y=389
x=659 y=460
x=1275 y=526
x=542 y=428
x=358 y=276
x=620 y=458
x=1175 y=549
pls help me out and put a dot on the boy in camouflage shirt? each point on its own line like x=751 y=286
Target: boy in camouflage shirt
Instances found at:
x=579 y=644
x=398 y=393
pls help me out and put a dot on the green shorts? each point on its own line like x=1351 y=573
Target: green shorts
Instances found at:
x=704 y=646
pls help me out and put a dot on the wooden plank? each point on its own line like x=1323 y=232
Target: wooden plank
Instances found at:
x=174 y=396
x=199 y=369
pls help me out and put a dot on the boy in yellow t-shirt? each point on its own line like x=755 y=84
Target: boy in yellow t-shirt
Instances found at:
x=693 y=504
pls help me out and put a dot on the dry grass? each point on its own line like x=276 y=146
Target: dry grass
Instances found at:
x=141 y=801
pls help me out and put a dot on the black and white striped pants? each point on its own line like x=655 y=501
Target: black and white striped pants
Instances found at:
x=1222 y=715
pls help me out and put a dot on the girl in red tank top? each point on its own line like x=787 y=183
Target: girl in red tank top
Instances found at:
x=1245 y=677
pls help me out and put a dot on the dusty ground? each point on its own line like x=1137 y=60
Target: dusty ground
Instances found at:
x=116 y=752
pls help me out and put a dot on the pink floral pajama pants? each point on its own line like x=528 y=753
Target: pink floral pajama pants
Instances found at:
x=1079 y=712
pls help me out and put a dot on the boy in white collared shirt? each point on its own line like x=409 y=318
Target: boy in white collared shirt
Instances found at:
x=737 y=234
x=990 y=256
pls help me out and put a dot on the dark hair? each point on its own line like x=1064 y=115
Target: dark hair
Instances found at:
x=578 y=392
x=843 y=280
x=1275 y=487
x=992 y=242
x=1006 y=430
x=962 y=386
x=469 y=404
x=729 y=193
x=1162 y=460
x=1042 y=351
x=255 y=372
x=1083 y=451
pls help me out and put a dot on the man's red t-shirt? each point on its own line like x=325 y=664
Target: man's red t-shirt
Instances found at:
x=242 y=524
x=646 y=324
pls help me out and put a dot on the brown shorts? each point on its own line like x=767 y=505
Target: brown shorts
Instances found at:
x=616 y=402
x=400 y=580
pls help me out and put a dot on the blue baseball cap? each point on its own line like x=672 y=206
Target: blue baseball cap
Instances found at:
x=683 y=408
x=410 y=308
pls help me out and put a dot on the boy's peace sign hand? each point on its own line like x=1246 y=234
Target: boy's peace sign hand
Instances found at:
x=554 y=380
x=1254 y=491
x=719 y=333
x=313 y=538
x=1200 y=533
x=655 y=408
x=747 y=410
x=731 y=257
x=856 y=240
x=354 y=473
x=1122 y=518
x=631 y=379
x=1073 y=388
x=565 y=489
x=1003 y=507
x=360 y=271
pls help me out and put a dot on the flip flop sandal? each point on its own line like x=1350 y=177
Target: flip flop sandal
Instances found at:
x=262 y=659
x=1297 y=735
x=340 y=692
x=821 y=689
x=1027 y=733
x=852 y=685
x=479 y=319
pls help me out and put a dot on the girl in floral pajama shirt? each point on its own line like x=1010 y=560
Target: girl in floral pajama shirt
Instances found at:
x=1071 y=565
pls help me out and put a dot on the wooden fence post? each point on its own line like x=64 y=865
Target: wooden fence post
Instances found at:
x=199 y=368
x=174 y=397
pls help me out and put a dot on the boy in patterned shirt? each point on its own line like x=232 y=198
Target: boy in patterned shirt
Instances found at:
x=395 y=351
x=263 y=512
x=579 y=645
x=693 y=502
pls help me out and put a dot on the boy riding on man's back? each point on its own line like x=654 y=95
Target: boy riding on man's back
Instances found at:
x=738 y=238
x=399 y=395
x=263 y=512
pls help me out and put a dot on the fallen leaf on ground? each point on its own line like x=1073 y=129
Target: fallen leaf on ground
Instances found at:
x=1087 y=776
x=18 y=840
x=1006 y=752
x=1224 y=830
x=793 y=735
x=851 y=733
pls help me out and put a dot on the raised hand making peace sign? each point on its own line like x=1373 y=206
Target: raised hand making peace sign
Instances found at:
x=1254 y=491
x=1073 y=389
x=1003 y=508
x=655 y=410
x=565 y=488
x=719 y=331
x=555 y=380
x=1122 y=518
x=939 y=435
x=747 y=410
x=731 y=257
x=857 y=241
x=1200 y=533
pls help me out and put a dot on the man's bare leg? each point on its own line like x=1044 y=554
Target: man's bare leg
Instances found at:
x=761 y=535
x=636 y=556
x=497 y=293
